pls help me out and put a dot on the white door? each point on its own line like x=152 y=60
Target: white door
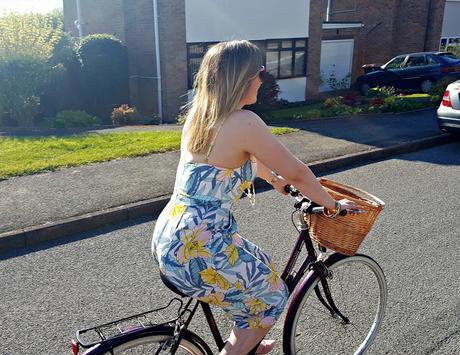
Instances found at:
x=336 y=62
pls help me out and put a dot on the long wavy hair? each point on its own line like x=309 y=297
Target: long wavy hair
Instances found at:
x=221 y=82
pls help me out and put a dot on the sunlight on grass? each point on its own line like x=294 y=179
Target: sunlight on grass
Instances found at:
x=28 y=155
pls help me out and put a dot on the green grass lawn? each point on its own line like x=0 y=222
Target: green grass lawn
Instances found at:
x=295 y=111
x=26 y=156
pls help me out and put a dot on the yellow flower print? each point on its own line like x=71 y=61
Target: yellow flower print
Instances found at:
x=255 y=305
x=194 y=244
x=212 y=277
x=238 y=285
x=232 y=254
x=245 y=185
x=177 y=211
x=274 y=280
x=224 y=175
x=259 y=322
x=216 y=299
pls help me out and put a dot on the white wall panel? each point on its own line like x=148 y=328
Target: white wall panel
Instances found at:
x=451 y=21
x=293 y=89
x=222 y=20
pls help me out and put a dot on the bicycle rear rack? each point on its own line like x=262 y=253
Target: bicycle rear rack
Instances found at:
x=154 y=318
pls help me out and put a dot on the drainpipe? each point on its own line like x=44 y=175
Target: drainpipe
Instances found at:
x=328 y=11
x=78 y=22
x=425 y=47
x=157 y=57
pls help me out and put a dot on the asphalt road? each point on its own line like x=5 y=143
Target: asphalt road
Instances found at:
x=47 y=293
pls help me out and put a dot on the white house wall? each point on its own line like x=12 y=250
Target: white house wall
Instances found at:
x=222 y=20
x=451 y=22
x=293 y=89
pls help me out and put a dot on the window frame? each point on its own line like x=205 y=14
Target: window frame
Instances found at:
x=263 y=45
x=293 y=49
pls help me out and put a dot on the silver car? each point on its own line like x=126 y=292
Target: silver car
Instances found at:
x=449 y=109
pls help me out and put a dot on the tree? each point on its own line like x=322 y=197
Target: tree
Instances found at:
x=27 y=43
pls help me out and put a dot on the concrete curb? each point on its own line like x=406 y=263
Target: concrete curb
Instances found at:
x=32 y=236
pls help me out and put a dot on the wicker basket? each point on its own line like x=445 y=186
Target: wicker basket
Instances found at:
x=345 y=233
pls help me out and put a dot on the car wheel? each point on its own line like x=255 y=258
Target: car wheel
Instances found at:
x=364 y=88
x=426 y=85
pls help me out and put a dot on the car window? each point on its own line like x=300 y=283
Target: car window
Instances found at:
x=396 y=63
x=430 y=60
x=416 y=61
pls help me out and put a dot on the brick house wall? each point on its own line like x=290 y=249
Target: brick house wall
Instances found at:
x=133 y=23
x=390 y=27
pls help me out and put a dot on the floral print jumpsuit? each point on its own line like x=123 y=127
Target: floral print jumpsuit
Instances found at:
x=198 y=248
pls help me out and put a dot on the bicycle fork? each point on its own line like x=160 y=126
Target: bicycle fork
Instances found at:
x=323 y=272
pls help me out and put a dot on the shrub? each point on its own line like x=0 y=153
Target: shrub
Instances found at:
x=401 y=104
x=333 y=101
x=267 y=97
x=383 y=91
x=336 y=84
x=437 y=90
x=124 y=115
x=63 y=90
x=27 y=43
x=351 y=99
x=104 y=68
x=20 y=83
x=181 y=117
x=69 y=119
x=339 y=110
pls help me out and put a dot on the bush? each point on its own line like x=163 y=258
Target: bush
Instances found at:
x=437 y=90
x=70 y=119
x=267 y=97
x=124 y=115
x=20 y=82
x=63 y=90
x=104 y=67
x=27 y=43
x=400 y=104
x=339 y=110
x=334 y=83
x=333 y=101
x=383 y=91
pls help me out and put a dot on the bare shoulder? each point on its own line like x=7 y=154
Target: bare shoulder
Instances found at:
x=246 y=119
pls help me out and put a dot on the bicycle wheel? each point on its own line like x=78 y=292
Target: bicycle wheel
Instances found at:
x=359 y=290
x=151 y=341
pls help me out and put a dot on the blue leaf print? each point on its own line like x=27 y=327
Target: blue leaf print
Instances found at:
x=195 y=266
x=263 y=269
x=234 y=296
x=244 y=256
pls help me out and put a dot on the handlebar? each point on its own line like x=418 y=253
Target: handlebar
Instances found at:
x=308 y=206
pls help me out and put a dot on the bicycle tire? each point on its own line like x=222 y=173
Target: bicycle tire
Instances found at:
x=150 y=340
x=310 y=328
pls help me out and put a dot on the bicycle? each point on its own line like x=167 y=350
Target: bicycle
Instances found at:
x=321 y=296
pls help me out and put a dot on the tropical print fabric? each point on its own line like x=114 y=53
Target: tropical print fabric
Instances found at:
x=198 y=248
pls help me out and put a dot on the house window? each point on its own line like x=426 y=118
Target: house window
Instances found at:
x=286 y=58
x=195 y=54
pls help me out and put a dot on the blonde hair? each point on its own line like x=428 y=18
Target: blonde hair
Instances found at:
x=221 y=82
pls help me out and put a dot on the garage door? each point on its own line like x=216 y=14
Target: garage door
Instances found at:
x=336 y=61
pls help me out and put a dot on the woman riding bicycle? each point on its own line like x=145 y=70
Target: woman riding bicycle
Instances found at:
x=223 y=148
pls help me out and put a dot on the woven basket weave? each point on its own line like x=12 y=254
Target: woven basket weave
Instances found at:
x=345 y=233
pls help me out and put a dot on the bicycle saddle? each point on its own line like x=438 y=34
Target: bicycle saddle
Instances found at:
x=169 y=285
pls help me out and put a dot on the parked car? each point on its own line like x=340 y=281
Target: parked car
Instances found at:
x=449 y=109
x=414 y=71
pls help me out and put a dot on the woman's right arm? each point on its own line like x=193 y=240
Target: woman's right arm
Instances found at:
x=257 y=140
